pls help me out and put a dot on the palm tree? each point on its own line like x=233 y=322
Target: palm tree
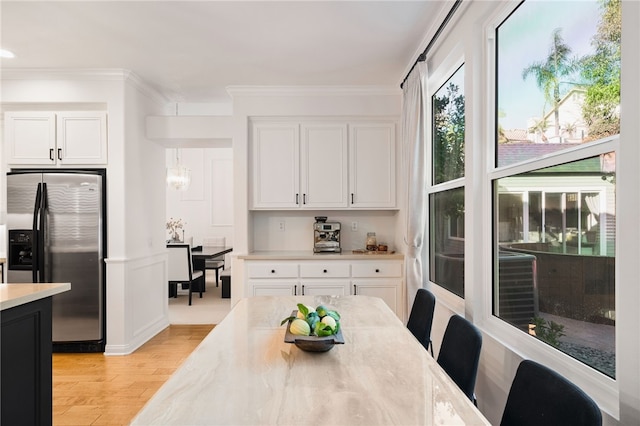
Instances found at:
x=539 y=127
x=570 y=128
x=548 y=73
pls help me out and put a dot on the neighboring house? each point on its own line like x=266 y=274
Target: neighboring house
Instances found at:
x=569 y=205
x=515 y=136
x=573 y=129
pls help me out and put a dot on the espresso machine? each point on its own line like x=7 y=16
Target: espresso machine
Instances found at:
x=326 y=236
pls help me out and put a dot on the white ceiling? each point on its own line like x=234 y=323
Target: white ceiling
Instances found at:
x=192 y=50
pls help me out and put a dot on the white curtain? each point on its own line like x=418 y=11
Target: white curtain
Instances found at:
x=415 y=107
x=593 y=203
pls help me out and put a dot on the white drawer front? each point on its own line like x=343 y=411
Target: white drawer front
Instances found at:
x=332 y=269
x=264 y=289
x=375 y=269
x=272 y=270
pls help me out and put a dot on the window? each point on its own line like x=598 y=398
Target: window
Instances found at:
x=448 y=129
x=446 y=198
x=446 y=265
x=554 y=181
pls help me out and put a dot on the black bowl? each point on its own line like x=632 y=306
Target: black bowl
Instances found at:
x=313 y=343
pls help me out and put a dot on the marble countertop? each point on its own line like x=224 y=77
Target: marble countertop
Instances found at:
x=310 y=255
x=12 y=295
x=243 y=373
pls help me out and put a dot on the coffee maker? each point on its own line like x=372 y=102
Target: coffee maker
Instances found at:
x=326 y=236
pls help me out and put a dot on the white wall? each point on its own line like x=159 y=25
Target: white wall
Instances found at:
x=144 y=291
x=207 y=205
x=298 y=229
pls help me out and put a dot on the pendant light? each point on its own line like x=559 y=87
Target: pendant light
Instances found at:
x=178 y=176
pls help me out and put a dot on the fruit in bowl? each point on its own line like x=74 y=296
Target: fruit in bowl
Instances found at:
x=313 y=330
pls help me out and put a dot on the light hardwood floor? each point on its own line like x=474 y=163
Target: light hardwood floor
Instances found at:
x=94 y=389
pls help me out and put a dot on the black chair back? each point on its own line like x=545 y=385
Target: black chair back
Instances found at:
x=460 y=353
x=421 y=317
x=540 y=396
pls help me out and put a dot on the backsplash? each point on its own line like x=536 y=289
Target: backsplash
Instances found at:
x=293 y=230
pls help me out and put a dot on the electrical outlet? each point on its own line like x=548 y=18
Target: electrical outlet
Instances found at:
x=281 y=225
x=354 y=226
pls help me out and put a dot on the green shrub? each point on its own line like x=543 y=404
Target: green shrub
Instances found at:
x=547 y=331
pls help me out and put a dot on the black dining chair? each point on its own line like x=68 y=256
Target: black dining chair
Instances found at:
x=540 y=396
x=459 y=354
x=180 y=270
x=215 y=263
x=421 y=317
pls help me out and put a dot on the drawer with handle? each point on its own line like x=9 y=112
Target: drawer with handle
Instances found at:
x=272 y=270
x=376 y=269
x=333 y=269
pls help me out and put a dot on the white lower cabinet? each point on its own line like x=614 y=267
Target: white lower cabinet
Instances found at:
x=380 y=278
x=325 y=287
x=377 y=278
x=388 y=290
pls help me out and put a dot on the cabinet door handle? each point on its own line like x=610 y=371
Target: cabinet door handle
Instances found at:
x=273 y=271
x=377 y=270
x=304 y=198
x=352 y=198
x=295 y=290
x=297 y=202
x=324 y=270
x=302 y=290
x=59 y=153
x=51 y=155
x=355 y=289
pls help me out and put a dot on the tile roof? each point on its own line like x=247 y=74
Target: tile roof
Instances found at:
x=511 y=153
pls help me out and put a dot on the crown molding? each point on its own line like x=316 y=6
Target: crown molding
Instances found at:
x=63 y=74
x=146 y=88
x=86 y=74
x=235 y=91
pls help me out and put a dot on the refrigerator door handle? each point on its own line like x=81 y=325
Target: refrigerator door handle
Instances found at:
x=34 y=235
x=42 y=236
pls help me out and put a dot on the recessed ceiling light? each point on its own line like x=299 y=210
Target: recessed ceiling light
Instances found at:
x=6 y=54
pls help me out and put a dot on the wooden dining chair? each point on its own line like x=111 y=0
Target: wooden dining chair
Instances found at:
x=180 y=270
x=460 y=353
x=215 y=263
x=539 y=395
x=421 y=317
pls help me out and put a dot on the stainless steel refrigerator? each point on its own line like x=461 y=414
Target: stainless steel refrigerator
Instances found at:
x=56 y=233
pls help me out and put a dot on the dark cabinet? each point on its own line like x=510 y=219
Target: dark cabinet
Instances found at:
x=25 y=364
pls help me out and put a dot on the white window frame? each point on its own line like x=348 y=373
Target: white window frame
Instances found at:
x=601 y=387
x=437 y=79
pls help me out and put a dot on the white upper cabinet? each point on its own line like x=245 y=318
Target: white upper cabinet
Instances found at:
x=323 y=165
x=372 y=171
x=50 y=138
x=30 y=137
x=82 y=137
x=276 y=176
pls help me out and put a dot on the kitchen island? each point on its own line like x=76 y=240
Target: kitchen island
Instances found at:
x=243 y=373
x=26 y=346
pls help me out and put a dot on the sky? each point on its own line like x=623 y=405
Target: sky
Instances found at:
x=525 y=38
